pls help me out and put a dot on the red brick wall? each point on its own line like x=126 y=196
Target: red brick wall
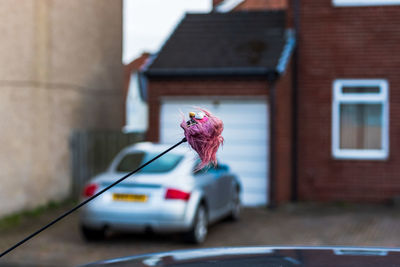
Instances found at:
x=230 y=87
x=257 y=4
x=335 y=43
x=262 y=5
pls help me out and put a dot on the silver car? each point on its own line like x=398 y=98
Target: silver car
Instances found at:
x=165 y=196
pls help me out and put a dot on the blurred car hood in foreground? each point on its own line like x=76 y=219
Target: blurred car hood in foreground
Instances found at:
x=264 y=256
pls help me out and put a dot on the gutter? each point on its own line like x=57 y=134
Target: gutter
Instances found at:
x=287 y=50
x=280 y=69
x=295 y=89
x=271 y=80
x=187 y=72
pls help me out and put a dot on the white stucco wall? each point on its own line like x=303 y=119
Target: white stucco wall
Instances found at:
x=61 y=70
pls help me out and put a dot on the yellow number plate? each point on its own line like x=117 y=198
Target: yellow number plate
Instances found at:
x=129 y=197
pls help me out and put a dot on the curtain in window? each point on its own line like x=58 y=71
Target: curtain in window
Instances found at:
x=361 y=126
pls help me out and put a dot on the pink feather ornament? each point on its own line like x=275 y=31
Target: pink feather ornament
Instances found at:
x=203 y=132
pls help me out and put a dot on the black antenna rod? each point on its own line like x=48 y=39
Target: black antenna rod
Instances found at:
x=90 y=199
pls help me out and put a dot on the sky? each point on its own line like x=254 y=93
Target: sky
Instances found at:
x=148 y=23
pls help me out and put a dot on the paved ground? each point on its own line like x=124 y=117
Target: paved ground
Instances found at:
x=302 y=224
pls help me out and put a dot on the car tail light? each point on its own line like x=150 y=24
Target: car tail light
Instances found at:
x=90 y=190
x=177 y=194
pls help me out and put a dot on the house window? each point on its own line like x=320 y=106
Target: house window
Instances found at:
x=365 y=2
x=360 y=119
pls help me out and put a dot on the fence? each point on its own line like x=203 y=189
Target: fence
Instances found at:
x=93 y=151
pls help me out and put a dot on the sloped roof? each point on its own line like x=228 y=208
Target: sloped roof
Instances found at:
x=217 y=43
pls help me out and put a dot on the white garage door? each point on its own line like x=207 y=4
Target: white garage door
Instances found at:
x=245 y=147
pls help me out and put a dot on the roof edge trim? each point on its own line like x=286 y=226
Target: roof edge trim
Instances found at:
x=257 y=71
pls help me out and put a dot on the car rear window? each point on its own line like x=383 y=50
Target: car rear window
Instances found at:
x=132 y=161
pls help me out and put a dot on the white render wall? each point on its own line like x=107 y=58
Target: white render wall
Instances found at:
x=61 y=70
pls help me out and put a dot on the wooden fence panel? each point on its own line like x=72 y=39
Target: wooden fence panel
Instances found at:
x=93 y=151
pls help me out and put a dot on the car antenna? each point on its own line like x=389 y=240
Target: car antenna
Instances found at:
x=90 y=199
x=203 y=133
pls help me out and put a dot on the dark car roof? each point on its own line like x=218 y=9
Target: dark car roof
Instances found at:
x=264 y=256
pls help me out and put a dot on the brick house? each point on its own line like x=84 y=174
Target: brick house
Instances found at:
x=327 y=131
x=348 y=65
x=236 y=65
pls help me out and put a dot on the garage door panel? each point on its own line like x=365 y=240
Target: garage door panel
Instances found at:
x=257 y=199
x=245 y=148
x=247 y=192
x=243 y=164
x=253 y=183
x=242 y=118
x=260 y=143
x=252 y=133
x=249 y=174
x=249 y=155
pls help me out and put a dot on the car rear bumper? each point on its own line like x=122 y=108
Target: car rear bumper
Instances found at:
x=169 y=218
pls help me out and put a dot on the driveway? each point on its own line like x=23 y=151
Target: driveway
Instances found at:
x=300 y=224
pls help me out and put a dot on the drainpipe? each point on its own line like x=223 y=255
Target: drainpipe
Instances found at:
x=271 y=80
x=295 y=69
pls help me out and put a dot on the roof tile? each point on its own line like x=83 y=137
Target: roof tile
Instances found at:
x=236 y=40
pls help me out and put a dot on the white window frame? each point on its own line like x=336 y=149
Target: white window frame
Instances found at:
x=359 y=98
x=365 y=2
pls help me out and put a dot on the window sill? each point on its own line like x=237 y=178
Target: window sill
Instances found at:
x=350 y=3
x=353 y=154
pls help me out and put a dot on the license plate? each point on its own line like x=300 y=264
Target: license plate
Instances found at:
x=129 y=197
